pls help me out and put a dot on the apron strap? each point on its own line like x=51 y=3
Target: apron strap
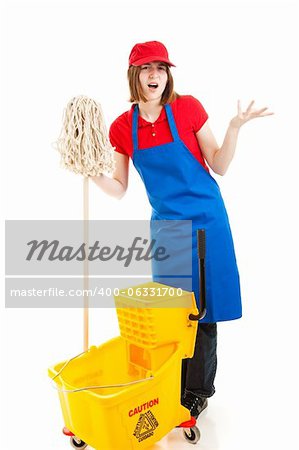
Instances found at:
x=135 y=129
x=171 y=123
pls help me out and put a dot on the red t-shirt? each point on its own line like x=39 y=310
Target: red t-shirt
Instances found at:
x=189 y=116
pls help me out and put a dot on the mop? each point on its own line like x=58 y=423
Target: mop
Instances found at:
x=85 y=149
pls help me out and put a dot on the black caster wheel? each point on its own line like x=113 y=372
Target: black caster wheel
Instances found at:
x=77 y=443
x=192 y=435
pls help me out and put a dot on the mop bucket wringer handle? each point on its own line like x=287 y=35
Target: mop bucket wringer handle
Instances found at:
x=201 y=251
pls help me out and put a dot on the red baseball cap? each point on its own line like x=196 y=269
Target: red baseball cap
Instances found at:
x=147 y=52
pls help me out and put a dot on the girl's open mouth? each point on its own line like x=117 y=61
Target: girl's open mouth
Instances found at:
x=153 y=85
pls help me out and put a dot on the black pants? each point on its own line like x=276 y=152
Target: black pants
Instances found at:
x=198 y=372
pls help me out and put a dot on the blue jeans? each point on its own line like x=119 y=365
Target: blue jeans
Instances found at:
x=198 y=372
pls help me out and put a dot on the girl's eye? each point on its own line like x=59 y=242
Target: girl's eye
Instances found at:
x=162 y=68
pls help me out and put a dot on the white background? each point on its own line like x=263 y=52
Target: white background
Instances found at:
x=223 y=51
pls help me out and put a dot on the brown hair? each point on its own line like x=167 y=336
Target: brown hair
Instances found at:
x=136 y=94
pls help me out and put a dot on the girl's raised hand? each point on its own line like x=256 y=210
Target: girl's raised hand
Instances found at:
x=249 y=114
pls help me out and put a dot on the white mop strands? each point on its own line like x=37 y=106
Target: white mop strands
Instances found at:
x=83 y=143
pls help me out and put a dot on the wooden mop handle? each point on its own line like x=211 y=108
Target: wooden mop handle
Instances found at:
x=86 y=240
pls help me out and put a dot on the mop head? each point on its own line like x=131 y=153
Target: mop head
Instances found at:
x=83 y=143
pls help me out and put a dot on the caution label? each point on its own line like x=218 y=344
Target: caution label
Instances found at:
x=145 y=427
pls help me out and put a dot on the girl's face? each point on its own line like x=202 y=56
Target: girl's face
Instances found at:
x=153 y=79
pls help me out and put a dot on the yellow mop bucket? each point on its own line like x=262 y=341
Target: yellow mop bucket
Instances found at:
x=125 y=394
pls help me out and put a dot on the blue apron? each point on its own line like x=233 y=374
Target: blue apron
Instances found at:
x=179 y=188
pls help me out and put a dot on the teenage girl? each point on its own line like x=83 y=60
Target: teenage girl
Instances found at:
x=172 y=147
